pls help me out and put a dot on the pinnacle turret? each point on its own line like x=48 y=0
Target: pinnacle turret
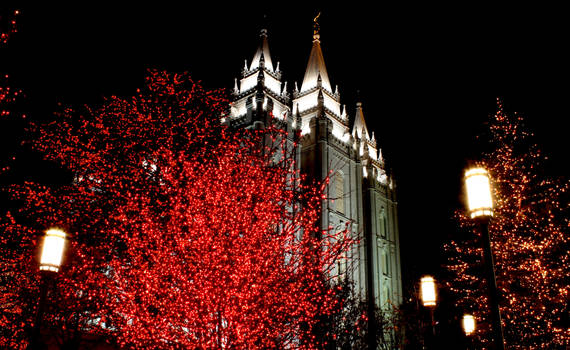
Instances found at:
x=236 y=89
x=316 y=98
x=262 y=52
x=359 y=129
x=316 y=65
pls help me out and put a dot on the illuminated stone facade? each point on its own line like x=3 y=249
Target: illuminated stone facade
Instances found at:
x=360 y=191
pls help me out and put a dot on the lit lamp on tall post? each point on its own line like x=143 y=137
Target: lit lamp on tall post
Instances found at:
x=480 y=205
x=468 y=324
x=429 y=299
x=50 y=262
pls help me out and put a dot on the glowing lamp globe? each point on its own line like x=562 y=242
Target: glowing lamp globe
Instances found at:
x=52 y=250
x=479 y=200
x=428 y=293
x=468 y=324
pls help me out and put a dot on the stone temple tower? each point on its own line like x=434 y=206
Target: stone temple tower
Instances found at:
x=360 y=191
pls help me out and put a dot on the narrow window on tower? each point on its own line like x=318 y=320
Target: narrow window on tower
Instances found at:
x=386 y=257
x=385 y=224
x=341 y=268
x=383 y=227
x=338 y=193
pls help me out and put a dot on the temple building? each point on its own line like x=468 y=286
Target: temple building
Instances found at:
x=360 y=191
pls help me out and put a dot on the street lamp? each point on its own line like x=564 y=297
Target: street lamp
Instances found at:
x=429 y=299
x=479 y=199
x=468 y=324
x=429 y=296
x=52 y=251
x=50 y=262
x=480 y=207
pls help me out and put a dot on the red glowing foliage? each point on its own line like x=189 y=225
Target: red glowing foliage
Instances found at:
x=530 y=244
x=184 y=234
x=9 y=22
x=7 y=94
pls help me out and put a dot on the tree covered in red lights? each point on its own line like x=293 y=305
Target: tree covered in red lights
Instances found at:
x=183 y=233
x=530 y=244
x=7 y=94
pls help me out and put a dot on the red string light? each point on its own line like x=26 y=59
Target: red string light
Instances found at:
x=183 y=233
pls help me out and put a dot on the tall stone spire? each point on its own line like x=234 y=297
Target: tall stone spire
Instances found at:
x=262 y=51
x=316 y=65
x=259 y=92
x=316 y=98
x=359 y=128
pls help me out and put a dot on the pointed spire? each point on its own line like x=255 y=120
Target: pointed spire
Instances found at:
x=359 y=129
x=236 y=89
x=284 y=91
x=277 y=68
x=262 y=51
x=316 y=63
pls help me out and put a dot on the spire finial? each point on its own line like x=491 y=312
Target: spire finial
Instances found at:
x=264 y=22
x=316 y=27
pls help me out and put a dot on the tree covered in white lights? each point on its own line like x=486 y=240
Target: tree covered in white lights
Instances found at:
x=530 y=244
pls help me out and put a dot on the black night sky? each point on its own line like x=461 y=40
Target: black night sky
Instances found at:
x=428 y=77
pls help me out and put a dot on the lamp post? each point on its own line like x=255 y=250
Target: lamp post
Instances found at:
x=480 y=206
x=50 y=262
x=468 y=324
x=429 y=299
